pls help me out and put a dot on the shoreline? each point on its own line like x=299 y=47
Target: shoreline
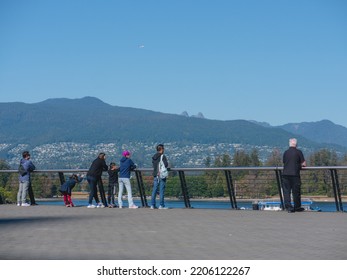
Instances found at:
x=79 y=195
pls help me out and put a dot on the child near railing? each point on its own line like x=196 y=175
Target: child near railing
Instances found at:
x=67 y=187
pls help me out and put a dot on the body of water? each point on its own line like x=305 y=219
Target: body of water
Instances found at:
x=198 y=204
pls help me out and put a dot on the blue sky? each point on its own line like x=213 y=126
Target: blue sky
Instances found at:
x=276 y=61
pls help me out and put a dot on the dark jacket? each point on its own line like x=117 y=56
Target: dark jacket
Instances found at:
x=95 y=170
x=69 y=185
x=113 y=176
x=29 y=167
x=126 y=165
x=155 y=162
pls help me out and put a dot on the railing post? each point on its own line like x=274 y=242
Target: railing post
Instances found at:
x=231 y=190
x=141 y=188
x=337 y=191
x=61 y=178
x=184 y=189
x=279 y=186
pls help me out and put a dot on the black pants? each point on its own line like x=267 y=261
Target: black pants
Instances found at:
x=93 y=184
x=31 y=194
x=102 y=192
x=291 y=185
x=93 y=189
x=110 y=193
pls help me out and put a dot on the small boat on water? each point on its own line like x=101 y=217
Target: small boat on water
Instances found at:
x=275 y=205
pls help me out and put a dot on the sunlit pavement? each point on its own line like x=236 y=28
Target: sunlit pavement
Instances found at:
x=59 y=233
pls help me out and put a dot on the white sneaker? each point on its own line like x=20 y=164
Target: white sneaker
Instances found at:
x=162 y=207
x=91 y=206
x=18 y=204
x=133 y=206
x=152 y=207
x=100 y=205
x=120 y=207
x=25 y=204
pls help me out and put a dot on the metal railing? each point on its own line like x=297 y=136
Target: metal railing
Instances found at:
x=229 y=179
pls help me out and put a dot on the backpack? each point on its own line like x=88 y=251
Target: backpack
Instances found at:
x=163 y=173
x=21 y=170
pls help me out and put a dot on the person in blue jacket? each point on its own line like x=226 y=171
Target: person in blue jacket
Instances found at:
x=67 y=187
x=126 y=166
x=25 y=168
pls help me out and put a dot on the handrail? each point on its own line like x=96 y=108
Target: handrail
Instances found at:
x=235 y=168
x=259 y=168
x=227 y=170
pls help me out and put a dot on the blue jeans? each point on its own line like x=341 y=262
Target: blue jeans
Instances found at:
x=125 y=182
x=161 y=184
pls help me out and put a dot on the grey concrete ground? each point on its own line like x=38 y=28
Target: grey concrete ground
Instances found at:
x=58 y=233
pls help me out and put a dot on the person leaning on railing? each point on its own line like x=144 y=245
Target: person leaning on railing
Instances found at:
x=293 y=160
x=125 y=167
x=159 y=182
x=25 y=168
x=93 y=177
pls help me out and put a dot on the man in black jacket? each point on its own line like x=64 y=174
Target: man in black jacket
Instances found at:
x=293 y=160
x=93 y=177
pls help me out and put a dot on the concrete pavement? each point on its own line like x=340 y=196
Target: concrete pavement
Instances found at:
x=59 y=233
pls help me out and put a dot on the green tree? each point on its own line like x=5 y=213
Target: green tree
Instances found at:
x=8 y=191
x=241 y=158
x=319 y=182
x=215 y=181
x=4 y=176
x=222 y=161
x=323 y=157
x=275 y=158
x=343 y=160
x=208 y=161
x=173 y=187
x=254 y=158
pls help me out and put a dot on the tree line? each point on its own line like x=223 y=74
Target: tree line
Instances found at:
x=209 y=184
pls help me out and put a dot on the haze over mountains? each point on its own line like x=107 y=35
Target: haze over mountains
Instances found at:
x=89 y=121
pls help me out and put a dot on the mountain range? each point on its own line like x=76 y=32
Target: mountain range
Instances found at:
x=323 y=131
x=90 y=120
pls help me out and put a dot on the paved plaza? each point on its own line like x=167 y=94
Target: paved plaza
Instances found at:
x=60 y=233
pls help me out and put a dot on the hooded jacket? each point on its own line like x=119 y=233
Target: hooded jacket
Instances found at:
x=29 y=167
x=155 y=162
x=69 y=185
x=126 y=165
